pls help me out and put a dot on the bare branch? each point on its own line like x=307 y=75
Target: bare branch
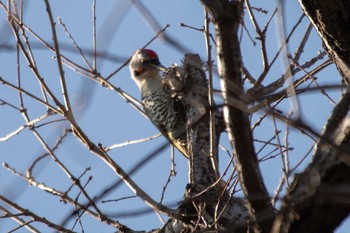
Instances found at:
x=37 y=218
x=68 y=107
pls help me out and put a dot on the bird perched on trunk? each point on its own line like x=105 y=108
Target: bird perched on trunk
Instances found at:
x=166 y=111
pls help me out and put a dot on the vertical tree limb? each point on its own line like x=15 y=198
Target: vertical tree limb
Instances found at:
x=226 y=17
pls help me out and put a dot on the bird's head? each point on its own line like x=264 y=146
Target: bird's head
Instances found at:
x=145 y=64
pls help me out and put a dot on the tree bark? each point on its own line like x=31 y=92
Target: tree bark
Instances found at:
x=331 y=19
x=226 y=16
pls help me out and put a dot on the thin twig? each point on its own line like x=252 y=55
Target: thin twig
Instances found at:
x=38 y=76
x=67 y=107
x=31 y=95
x=302 y=44
x=212 y=140
x=29 y=170
x=26 y=125
x=65 y=197
x=34 y=216
x=15 y=217
x=130 y=142
x=80 y=51
x=285 y=167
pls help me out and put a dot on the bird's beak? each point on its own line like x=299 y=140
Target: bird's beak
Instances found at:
x=160 y=67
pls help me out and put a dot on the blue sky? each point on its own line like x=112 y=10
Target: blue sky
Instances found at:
x=109 y=119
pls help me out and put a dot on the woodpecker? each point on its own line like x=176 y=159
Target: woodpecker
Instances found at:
x=167 y=112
